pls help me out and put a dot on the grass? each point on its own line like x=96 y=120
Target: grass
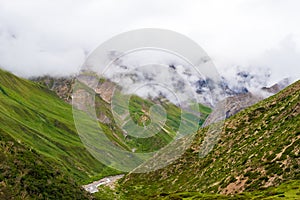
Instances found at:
x=288 y=190
x=41 y=152
x=36 y=117
x=26 y=174
x=258 y=148
x=48 y=155
x=138 y=117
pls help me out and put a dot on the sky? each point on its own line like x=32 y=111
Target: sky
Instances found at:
x=39 y=37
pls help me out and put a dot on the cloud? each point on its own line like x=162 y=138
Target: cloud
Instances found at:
x=53 y=37
x=284 y=60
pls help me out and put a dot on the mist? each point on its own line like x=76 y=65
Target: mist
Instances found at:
x=55 y=37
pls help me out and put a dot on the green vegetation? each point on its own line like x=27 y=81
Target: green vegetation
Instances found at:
x=258 y=149
x=35 y=118
x=42 y=157
x=139 y=112
x=25 y=174
x=47 y=149
x=289 y=190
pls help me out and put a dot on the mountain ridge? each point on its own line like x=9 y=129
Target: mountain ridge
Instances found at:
x=252 y=154
x=256 y=156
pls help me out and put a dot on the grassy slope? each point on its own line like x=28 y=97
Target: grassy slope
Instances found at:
x=139 y=112
x=138 y=109
x=289 y=190
x=25 y=174
x=258 y=148
x=34 y=116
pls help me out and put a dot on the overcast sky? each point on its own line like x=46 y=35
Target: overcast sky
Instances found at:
x=53 y=37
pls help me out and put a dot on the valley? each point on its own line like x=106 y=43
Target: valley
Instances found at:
x=256 y=156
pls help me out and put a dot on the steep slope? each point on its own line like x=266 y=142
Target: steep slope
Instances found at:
x=34 y=116
x=258 y=148
x=138 y=107
x=41 y=126
x=25 y=174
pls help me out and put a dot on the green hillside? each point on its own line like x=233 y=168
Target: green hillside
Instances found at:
x=35 y=117
x=257 y=154
x=41 y=147
x=139 y=113
x=138 y=108
x=25 y=174
x=42 y=156
x=123 y=124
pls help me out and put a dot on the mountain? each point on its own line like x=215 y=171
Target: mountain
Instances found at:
x=139 y=110
x=238 y=102
x=256 y=156
x=277 y=86
x=237 y=93
x=40 y=144
x=40 y=148
x=42 y=156
x=36 y=117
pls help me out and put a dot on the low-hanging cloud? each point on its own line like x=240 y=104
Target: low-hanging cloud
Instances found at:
x=54 y=37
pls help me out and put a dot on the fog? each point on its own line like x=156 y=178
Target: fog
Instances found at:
x=54 y=37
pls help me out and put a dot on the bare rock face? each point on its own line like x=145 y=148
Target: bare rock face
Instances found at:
x=105 y=90
x=83 y=100
x=277 y=87
x=62 y=86
x=239 y=102
x=80 y=98
x=273 y=89
x=232 y=105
